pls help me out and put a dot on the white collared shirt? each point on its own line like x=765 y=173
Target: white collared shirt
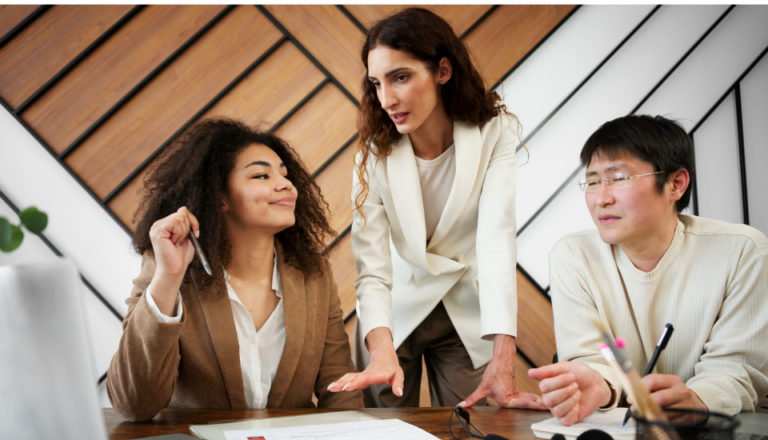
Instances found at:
x=260 y=351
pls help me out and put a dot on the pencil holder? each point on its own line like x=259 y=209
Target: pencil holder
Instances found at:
x=687 y=424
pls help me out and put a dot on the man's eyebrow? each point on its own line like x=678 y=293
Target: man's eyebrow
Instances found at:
x=391 y=72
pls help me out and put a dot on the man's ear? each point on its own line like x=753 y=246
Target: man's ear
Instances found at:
x=679 y=181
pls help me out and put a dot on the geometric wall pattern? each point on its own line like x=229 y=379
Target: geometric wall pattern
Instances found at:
x=106 y=88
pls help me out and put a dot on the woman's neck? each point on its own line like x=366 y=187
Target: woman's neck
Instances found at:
x=252 y=256
x=434 y=135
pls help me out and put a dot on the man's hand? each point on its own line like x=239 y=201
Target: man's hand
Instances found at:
x=669 y=391
x=571 y=390
x=498 y=380
x=384 y=366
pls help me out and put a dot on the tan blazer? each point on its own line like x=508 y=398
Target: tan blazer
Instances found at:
x=196 y=363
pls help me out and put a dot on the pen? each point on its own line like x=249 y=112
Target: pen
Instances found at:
x=199 y=251
x=662 y=344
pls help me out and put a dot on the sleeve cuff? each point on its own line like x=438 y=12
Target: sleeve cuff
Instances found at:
x=158 y=314
x=716 y=399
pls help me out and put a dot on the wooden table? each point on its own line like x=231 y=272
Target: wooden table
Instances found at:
x=510 y=423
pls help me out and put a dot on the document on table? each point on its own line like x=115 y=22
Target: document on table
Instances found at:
x=608 y=421
x=392 y=429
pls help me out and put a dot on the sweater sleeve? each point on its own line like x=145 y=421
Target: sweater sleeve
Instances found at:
x=496 y=238
x=574 y=307
x=370 y=247
x=732 y=374
x=336 y=359
x=142 y=376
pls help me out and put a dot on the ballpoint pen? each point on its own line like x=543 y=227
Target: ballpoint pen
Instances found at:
x=662 y=344
x=199 y=251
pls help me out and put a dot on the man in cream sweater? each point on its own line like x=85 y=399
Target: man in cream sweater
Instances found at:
x=647 y=265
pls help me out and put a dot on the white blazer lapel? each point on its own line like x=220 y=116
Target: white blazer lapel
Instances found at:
x=405 y=186
x=469 y=144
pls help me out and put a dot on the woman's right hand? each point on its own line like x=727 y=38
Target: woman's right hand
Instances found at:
x=384 y=366
x=173 y=252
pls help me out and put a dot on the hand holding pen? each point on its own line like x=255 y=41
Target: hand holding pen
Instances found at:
x=660 y=346
x=173 y=251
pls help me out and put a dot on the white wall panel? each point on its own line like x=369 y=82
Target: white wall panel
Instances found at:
x=567 y=213
x=614 y=91
x=717 y=165
x=77 y=226
x=695 y=87
x=754 y=104
x=557 y=67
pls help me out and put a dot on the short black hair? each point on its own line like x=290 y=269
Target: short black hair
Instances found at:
x=655 y=139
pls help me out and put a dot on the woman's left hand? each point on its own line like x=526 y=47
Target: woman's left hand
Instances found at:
x=498 y=381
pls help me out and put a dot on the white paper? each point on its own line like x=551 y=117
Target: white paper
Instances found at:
x=608 y=421
x=392 y=429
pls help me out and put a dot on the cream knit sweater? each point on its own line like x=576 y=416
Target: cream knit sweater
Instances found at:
x=711 y=284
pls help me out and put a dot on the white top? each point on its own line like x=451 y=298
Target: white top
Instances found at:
x=260 y=351
x=436 y=178
x=711 y=284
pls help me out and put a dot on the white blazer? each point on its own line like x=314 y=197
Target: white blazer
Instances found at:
x=470 y=261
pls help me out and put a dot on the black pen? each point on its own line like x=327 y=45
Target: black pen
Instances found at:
x=199 y=251
x=668 y=329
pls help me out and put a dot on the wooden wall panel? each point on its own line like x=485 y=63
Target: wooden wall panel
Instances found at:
x=172 y=98
x=321 y=126
x=42 y=49
x=336 y=184
x=535 y=323
x=12 y=15
x=522 y=380
x=272 y=89
x=509 y=33
x=344 y=272
x=112 y=70
x=329 y=36
x=461 y=17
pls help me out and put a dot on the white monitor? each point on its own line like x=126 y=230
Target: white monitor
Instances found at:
x=48 y=384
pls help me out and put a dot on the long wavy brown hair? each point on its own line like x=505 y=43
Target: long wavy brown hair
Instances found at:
x=428 y=38
x=194 y=172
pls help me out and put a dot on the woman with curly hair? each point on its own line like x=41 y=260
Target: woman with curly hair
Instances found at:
x=435 y=176
x=266 y=330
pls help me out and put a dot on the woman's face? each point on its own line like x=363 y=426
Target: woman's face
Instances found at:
x=260 y=194
x=406 y=89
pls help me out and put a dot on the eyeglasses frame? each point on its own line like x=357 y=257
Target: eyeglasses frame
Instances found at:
x=583 y=183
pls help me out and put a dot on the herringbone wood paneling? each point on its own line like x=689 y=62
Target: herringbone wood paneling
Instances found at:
x=13 y=15
x=48 y=44
x=509 y=33
x=170 y=100
x=112 y=70
x=461 y=17
x=321 y=125
x=329 y=36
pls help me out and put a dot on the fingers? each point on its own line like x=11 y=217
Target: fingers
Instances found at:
x=193 y=223
x=473 y=398
x=527 y=401
x=398 y=383
x=656 y=382
x=339 y=384
x=553 y=370
x=557 y=382
x=572 y=416
x=554 y=398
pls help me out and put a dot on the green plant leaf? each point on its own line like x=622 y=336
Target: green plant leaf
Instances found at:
x=5 y=232
x=17 y=235
x=33 y=219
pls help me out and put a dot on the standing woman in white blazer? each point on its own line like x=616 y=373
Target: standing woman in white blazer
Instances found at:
x=434 y=226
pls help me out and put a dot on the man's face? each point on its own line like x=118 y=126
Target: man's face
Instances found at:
x=627 y=214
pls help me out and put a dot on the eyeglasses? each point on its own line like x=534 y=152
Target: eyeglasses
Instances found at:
x=617 y=181
x=462 y=413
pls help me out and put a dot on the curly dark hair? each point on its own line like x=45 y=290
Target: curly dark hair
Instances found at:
x=194 y=172
x=429 y=38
